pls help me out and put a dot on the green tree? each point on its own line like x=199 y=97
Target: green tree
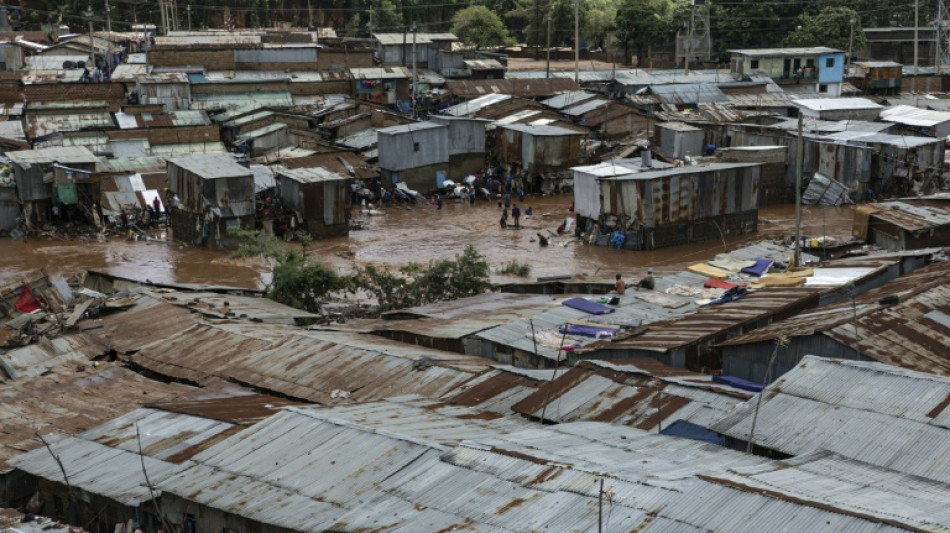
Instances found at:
x=601 y=20
x=831 y=27
x=477 y=25
x=640 y=22
x=417 y=284
x=532 y=17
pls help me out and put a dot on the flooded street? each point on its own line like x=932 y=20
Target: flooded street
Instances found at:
x=401 y=236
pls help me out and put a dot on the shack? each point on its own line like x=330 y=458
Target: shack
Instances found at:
x=904 y=225
x=818 y=66
x=320 y=198
x=33 y=172
x=877 y=77
x=384 y=86
x=466 y=142
x=169 y=89
x=677 y=140
x=397 y=48
x=838 y=108
x=212 y=197
x=538 y=148
x=415 y=154
x=919 y=121
x=669 y=207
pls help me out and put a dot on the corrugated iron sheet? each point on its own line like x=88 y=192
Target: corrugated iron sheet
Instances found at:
x=605 y=392
x=529 y=88
x=900 y=334
x=871 y=412
x=109 y=472
x=823 y=477
x=168 y=436
x=912 y=217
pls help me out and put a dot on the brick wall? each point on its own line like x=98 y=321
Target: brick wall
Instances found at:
x=210 y=59
x=182 y=134
x=242 y=88
x=111 y=93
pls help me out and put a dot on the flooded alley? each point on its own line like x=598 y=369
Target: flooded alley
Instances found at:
x=399 y=236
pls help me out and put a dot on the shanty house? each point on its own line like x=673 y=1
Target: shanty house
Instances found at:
x=169 y=89
x=33 y=170
x=838 y=109
x=466 y=144
x=921 y=121
x=320 y=197
x=877 y=77
x=820 y=66
x=396 y=48
x=414 y=153
x=675 y=206
x=213 y=195
x=539 y=148
x=384 y=86
x=678 y=140
x=904 y=225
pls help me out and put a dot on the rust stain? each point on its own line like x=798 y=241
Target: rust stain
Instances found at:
x=517 y=502
x=547 y=474
x=484 y=415
x=625 y=405
x=939 y=407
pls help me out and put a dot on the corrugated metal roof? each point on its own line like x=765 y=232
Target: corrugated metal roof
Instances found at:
x=381 y=73
x=912 y=217
x=360 y=140
x=688 y=93
x=164 y=435
x=38 y=358
x=836 y=104
x=568 y=99
x=211 y=166
x=240 y=409
x=132 y=164
x=208 y=39
x=309 y=175
x=166 y=150
x=408 y=128
x=529 y=88
x=766 y=99
x=262 y=131
x=914 y=116
x=506 y=304
x=408 y=37
x=823 y=478
x=475 y=105
x=586 y=107
x=599 y=391
x=542 y=131
x=66 y=400
x=286 y=360
x=871 y=412
x=245 y=101
x=113 y=473
x=782 y=52
x=45 y=156
x=630 y=311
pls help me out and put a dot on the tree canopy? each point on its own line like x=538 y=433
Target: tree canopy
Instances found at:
x=642 y=21
x=479 y=26
x=832 y=28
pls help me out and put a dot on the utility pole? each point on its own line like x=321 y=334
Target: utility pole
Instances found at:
x=916 y=45
x=108 y=17
x=547 y=67
x=798 y=192
x=310 y=15
x=188 y=9
x=577 y=40
x=415 y=81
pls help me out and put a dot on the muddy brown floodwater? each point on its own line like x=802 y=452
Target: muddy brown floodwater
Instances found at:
x=401 y=236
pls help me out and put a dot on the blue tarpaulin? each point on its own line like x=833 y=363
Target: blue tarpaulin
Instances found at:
x=759 y=268
x=587 y=306
x=689 y=430
x=738 y=383
x=588 y=331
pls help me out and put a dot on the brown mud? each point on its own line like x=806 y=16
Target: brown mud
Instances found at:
x=400 y=236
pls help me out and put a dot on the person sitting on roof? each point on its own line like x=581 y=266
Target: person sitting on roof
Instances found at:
x=647 y=282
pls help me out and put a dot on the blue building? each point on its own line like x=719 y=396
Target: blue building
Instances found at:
x=821 y=66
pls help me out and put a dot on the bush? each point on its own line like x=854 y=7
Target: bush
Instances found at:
x=416 y=284
x=302 y=284
x=516 y=268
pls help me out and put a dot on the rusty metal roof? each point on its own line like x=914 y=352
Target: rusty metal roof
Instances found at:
x=602 y=391
x=509 y=304
x=528 y=88
x=913 y=333
x=880 y=414
x=342 y=162
x=707 y=323
x=71 y=401
x=913 y=216
x=240 y=409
